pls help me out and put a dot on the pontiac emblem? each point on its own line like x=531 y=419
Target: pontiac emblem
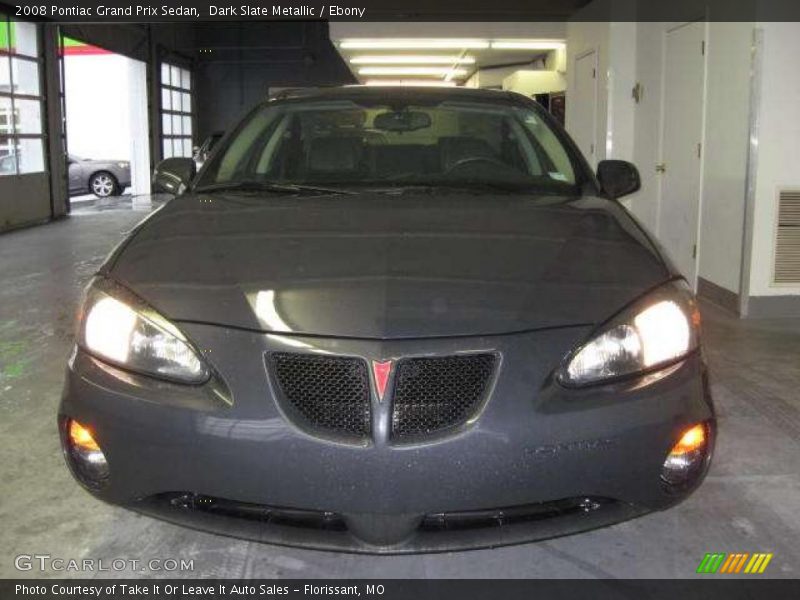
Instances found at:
x=381 y=372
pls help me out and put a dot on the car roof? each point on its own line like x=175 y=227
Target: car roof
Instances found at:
x=378 y=93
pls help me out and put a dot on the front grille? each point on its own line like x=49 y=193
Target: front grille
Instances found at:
x=329 y=393
x=434 y=394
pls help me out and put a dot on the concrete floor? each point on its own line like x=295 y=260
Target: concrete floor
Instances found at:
x=749 y=503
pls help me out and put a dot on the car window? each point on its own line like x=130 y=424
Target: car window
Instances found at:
x=343 y=142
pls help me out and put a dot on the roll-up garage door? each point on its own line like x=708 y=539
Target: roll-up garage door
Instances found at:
x=128 y=40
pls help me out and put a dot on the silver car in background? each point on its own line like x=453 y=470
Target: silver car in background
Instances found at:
x=102 y=178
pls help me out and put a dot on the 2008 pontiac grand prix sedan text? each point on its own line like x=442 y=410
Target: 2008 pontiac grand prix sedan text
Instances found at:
x=390 y=320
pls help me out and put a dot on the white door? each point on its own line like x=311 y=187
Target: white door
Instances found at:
x=681 y=149
x=584 y=105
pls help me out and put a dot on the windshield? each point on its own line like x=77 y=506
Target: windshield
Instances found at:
x=341 y=143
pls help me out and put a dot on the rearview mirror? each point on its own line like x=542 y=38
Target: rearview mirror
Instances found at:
x=174 y=175
x=618 y=178
x=405 y=120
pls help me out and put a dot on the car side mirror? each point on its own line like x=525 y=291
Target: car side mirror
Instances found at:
x=174 y=175
x=618 y=178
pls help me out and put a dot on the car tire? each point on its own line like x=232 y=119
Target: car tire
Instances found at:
x=103 y=184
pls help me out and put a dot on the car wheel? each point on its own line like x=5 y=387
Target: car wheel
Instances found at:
x=104 y=185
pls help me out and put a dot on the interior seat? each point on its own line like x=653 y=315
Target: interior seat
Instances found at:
x=401 y=159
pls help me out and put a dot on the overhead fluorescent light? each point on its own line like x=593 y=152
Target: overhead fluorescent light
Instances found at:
x=413 y=44
x=409 y=83
x=412 y=59
x=451 y=74
x=527 y=45
x=433 y=71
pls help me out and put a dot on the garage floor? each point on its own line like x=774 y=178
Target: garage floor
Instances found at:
x=749 y=503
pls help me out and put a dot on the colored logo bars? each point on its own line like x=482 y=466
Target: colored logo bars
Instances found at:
x=742 y=562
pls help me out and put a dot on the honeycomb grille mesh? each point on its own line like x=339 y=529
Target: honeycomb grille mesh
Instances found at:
x=329 y=393
x=433 y=394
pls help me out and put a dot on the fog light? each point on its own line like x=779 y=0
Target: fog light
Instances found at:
x=80 y=437
x=686 y=459
x=87 y=459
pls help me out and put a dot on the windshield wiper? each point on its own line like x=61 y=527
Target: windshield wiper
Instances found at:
x=249 y=185
x=505 y=187
x=447 y=187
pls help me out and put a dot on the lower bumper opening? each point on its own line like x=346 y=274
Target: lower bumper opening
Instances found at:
x=477 y=519
x=432 y=532
x=261 y=513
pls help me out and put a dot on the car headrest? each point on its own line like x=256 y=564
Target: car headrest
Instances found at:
x=328 y=154
x=455 y=148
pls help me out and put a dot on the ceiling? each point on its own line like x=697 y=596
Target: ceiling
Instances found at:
x=437 y=60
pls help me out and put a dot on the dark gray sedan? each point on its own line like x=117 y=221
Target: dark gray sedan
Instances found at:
x=391 y=320
x=102 y=178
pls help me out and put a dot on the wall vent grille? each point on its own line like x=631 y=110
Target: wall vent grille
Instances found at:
x=787 y=243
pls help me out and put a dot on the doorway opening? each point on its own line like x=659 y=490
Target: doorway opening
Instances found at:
x=106 y=123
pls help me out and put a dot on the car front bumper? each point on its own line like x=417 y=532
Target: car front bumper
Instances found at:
x=540 y=460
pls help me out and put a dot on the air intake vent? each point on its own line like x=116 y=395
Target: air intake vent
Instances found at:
x=434 y=394
x=327 y=393
x=787 y=245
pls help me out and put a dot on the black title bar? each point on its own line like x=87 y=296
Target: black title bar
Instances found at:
x=94 y=11
x=294 y=589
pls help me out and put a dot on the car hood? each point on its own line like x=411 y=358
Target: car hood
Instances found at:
x=378 y=265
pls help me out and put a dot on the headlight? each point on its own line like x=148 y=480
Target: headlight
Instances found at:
x=123 y=165
x=121 y=329
x=652 y=333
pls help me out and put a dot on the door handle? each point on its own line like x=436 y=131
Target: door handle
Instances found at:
x=661 y=168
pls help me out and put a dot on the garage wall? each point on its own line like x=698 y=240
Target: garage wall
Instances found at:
x=721 y=247
x=727 y=121
x=631 y=53
x=490 y=78
x=647 y=121
x=778 y=149
x=725 y=143
x=621 y=77
x=227 y=92
x=494 y=78
x=535 y=82
x=615 y=45
x=238 y=64
x=24 y=199
x=582 y=38
x=59 y=198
